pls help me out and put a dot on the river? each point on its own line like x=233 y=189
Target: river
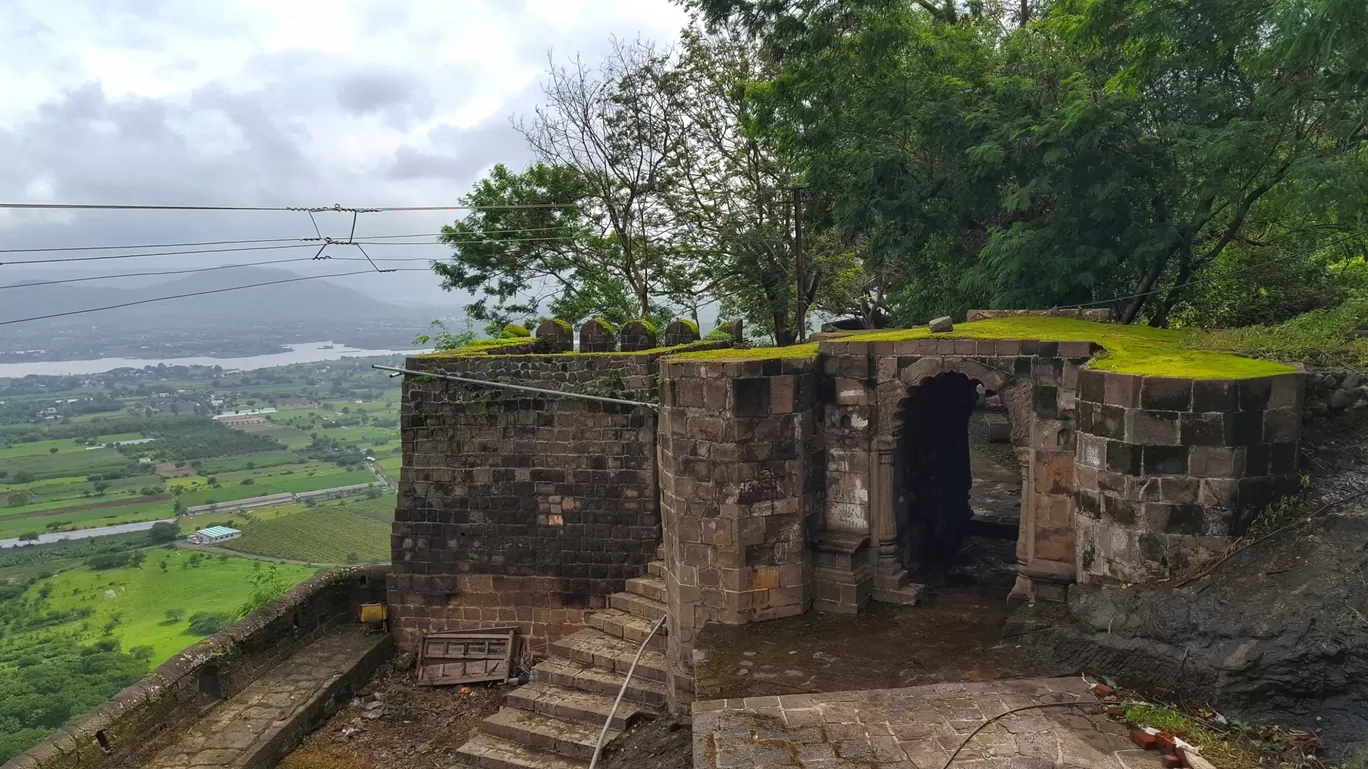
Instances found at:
x=103 y=531
x=300 y=352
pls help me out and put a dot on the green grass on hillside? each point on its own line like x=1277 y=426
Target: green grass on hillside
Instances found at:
x=323 y=534
x=140 y=597
x=259 y=459
x=1129 y=349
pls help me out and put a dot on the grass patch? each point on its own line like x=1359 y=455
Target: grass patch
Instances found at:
x=241 y=461
x=1234 y=746
x=140 y=597
x=751 y=353
x=1318 y=336
x=1130 y=349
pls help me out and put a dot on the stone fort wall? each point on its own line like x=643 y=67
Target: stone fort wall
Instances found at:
x=517 y=508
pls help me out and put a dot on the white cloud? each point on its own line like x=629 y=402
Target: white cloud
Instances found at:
x=259 y=101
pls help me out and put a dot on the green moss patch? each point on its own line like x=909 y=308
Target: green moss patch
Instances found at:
x=1129 y=349
x=604 y=323
x=646 y=324
x=692 y=326
x=514 y=330
x=478 y=347
x=751 y=353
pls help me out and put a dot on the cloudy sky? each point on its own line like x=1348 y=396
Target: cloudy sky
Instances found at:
x=263 y=102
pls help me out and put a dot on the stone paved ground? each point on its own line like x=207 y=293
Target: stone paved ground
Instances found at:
x=244 y=730
x=916 y=728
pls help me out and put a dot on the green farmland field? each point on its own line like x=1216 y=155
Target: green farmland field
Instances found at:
x=323 y=534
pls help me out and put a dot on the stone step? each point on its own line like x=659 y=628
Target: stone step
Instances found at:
x=587 y=678
x=656 y=569
x=553 y=735
x=594 y=647
x=572 y=705
x=486 y=751
x=646 y=608
x=628 y=627
x=650 y=587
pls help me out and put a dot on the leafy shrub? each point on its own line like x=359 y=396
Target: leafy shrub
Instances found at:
x=209 y=623
x=513 y=330
x=107 y=561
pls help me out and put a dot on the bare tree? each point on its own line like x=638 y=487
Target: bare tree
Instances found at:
x=612 y=124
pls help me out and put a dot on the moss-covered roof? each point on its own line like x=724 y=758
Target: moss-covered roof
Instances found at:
x=751 y=353
x=1129 y=349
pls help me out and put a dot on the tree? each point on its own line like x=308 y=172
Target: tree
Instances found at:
x=52 y=450
x=208 y=623
x=175 y=615
x=1080 y=151
x=17 y=499
x=163 y=532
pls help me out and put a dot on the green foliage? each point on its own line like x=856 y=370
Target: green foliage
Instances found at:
x=1207 y=154
x=718 y=335
x=194 y=438
x=203 y=623
x=268 y=584
x=45 y=684
x=443 y=339
x=514 y=331
x=109 y=561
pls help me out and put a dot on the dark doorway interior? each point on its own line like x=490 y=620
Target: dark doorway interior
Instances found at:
x=958 y=485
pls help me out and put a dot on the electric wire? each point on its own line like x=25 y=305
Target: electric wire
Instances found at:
x=120 y=305
x=320 y=237
x=164 y=272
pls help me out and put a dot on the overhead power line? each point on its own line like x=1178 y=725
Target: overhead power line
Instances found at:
x=199 y=293
x=164 y=272
x=308 y=243
x=296 y=209
x=259 y=240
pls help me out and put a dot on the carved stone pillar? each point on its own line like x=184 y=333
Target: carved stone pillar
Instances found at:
x=1023 y=589
x=890 y=578
x=889 y=574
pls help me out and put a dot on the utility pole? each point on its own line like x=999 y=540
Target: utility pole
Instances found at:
x=800 y=321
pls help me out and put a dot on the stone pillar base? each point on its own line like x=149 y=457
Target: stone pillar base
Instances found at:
x=842 y=578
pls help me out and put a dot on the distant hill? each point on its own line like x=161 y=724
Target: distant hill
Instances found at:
x=311 y=300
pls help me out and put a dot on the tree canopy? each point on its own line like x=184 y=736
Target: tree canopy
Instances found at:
x=1199 y=162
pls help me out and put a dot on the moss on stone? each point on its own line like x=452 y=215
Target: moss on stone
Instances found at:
x=513 y=330
x=689 y=323
x=751 y=353
x=1129 y=349
x=646 y=324
x=604 y=323
x=564 y=325
x=478 y=347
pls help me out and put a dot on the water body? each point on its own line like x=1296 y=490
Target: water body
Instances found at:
x=103 y=531
x=300 y=352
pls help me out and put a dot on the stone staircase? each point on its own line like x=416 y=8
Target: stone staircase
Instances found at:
x=553 y=721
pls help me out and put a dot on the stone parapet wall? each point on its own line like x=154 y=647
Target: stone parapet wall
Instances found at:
x=1170 y=469
x=555 y=497
x=741 y=484
x=140 y=720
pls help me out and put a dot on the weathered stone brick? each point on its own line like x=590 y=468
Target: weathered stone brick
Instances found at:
x=1166 y=393
x=1146 y=427
x=1165 y=460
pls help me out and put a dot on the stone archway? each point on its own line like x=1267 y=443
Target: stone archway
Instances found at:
x=1015 y=392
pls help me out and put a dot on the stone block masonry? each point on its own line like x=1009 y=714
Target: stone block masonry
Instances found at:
x=519 y=509
x=741 y=486
x=1170 y=469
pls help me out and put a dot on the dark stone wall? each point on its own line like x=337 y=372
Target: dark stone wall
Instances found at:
x=1170 y=469
x=556 y=497
x=142 y=719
